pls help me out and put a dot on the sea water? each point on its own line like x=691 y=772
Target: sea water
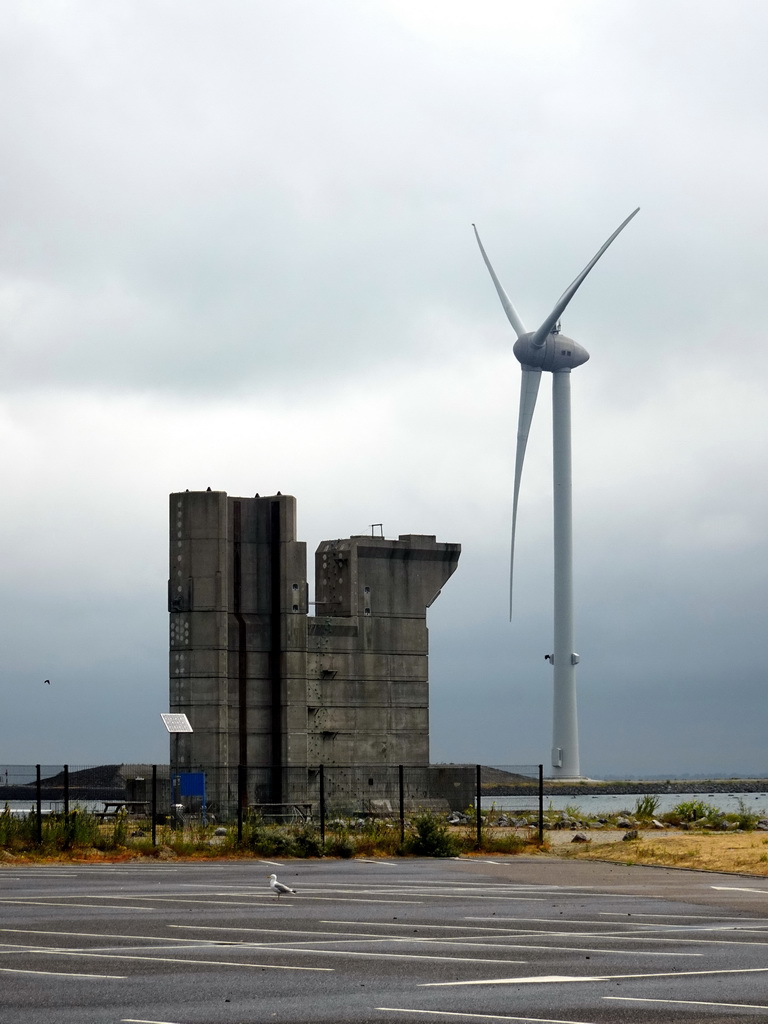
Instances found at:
x=603 y=805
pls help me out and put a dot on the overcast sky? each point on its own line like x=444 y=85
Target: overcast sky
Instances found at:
x=236 y=251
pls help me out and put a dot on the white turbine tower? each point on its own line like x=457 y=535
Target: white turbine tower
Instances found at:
x=547 y=349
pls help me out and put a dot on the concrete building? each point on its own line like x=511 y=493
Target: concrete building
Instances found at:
x=263 y=682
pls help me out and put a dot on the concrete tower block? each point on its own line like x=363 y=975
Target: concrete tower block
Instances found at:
x=197 y=603
x=368 y=688
x=266 y=685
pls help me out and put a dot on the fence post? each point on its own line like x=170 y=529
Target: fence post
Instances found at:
x=541 y=803
x=39 y=798
x=478 y=815
x=240 y=800
x=66 y=796
x=322 y=808
x=154 y=805
x=401 y=787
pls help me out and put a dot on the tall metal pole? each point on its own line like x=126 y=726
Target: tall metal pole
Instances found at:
x=39 y=804
x=401 y=797
x=154 y=805
x=541 y=803
x=565 y=731
x=478 y=802
x=322 y=808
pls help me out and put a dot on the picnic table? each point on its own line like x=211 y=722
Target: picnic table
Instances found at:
x=290 y=812
x=114 y=807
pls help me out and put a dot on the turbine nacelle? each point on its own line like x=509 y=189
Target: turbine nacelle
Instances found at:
x=556 y=353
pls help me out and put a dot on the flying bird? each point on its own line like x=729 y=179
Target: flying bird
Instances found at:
x=48 y=681
x=278 y=887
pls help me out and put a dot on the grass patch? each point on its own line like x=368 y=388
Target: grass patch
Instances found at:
x=711 y=851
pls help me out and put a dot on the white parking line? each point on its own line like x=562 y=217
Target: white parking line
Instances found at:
x=681 y=917
x=688 y=1002
x=95 y=935
x=562 y=949
x=189 y=961
x=411 y=924
x=470 y=941
x=547 y=979
x=737 y=888
x=644 y=935
x=43 y=901
x=386 y=956
x=483 y=1016
x=307 y=895
x=141 y=1020
x=64 y=974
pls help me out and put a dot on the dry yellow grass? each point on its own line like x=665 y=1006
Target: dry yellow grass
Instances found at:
x=746 y=853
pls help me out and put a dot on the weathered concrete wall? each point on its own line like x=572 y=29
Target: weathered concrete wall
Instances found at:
x=367 y=686
x=265 y=684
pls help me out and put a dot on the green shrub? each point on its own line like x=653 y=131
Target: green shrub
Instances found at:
x=339 y=842
x=690 y=811
x=646 y=807
x=120 y=831
x=307 y=841
x=274 y=840
x=746 y=818
x=14 y=831
x=81 y=830
x=430 y=836
x=375 y=836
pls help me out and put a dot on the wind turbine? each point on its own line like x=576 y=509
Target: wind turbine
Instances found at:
x=547 y=349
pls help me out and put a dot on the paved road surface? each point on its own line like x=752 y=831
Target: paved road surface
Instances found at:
x=472 y=940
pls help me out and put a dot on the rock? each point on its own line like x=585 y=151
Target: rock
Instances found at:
x=632 y=834
x=762 y=825
x=220 y=832
x=623 y=823
x=657 y=824
x=580 y=837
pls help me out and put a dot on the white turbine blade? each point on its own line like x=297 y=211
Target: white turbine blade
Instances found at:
x=509 y=309
x=529 y=390
x=541 y=334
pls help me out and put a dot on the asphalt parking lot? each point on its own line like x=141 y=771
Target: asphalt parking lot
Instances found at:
x=477 y=939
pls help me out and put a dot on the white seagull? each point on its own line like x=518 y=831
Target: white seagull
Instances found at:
x=278 y=887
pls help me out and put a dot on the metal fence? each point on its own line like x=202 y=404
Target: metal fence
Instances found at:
x=226 y=794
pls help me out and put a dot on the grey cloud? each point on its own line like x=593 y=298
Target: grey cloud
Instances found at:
x=235 y=249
